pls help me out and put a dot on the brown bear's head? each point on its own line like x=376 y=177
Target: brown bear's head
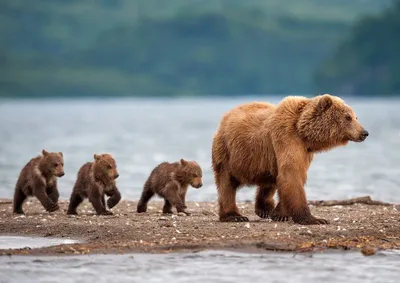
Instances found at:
x=193 y=172
x=105 y=167
x=326 y=121
x=52 y=164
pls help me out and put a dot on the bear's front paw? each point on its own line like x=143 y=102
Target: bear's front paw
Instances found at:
x=263 y=213
x=72 y=212
x=279 y=218
x=106 y=212
x=19 y=212
x=310 y=220
x=54 y=207
x=236 y=218
x=141 y=208
x=185 y=213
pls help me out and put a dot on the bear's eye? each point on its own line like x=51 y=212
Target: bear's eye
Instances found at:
x=55 y=164
x=109 y=166
x=348 y=118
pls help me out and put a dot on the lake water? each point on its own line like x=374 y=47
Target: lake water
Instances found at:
x=207 y=266
x=141 y=133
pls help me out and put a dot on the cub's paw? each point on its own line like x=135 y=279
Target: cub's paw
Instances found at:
x=141 y=209
x=106 y=212
x=54 y=207
x=72 y=212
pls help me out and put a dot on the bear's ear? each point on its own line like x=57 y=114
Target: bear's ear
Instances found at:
x=96 y=157
x=44 y=152
x=183 y=162
x=324 y=103
x=60 y=153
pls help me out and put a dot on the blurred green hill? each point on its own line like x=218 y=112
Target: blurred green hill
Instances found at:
x=171 y=47
x=368 y=60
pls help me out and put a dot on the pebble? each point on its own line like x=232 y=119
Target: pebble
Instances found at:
x=368 y=251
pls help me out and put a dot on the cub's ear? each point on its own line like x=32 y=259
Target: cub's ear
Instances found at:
x=183 y=161
x=44 y=152
x=324 y=103
x=60 y=153
x=96 y=157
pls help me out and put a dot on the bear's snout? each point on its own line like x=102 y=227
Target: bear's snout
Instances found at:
x=364 y=134
x=197 y=185
x=61 y=174
x=116 y=176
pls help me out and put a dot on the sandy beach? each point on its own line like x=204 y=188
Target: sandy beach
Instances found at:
x=356 y=226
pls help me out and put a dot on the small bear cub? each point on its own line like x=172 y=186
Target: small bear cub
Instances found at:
x=39 y=178
x=95 y=180
x=170 y=181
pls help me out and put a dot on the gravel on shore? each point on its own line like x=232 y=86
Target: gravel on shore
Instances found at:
x=359 y=226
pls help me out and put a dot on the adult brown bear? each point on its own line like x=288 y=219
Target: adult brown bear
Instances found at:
x=272 y=147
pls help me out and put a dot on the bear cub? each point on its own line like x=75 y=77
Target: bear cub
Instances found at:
x=95 y=180
x=39 y=178
x=171 y=181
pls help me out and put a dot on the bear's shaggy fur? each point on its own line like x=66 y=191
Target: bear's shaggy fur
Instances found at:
x=272 y=147
x=171 y=181
x=39 y=178
x=94 y=181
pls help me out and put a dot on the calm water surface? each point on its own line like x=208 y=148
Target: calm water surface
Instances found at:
x=143 y=133
x=207 y=266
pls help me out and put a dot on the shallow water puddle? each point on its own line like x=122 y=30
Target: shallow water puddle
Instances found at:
x=19 y=242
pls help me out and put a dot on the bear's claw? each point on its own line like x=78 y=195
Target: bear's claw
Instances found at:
x=263 y=213
x=235 y=219
x=106 y=212
x=53 y=208
x=311 y=220
x=279 y=218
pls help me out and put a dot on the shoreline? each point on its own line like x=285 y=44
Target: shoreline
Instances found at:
x=360 y=224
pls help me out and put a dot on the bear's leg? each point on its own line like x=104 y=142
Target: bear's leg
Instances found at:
x=167 y=209
x=182 y=195
x=74 y=201
x=227 y=186
x=19 y=198
x=293 y=198
x=147 y=194
x=171 y=194
x=114 y=199
x=53 y=193
x=265 y=203
x=279 y=214
x=103 y=200
x=39 y=191
x=95 y=197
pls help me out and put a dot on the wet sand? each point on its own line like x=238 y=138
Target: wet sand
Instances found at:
x=356 y=226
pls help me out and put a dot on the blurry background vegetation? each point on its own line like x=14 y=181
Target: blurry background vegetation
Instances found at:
x=198 y=47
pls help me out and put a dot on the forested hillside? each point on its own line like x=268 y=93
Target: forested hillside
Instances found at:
x=174 y=47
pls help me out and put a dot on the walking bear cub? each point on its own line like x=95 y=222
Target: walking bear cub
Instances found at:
x=171 y=181
x=39 y=178
x=94 y=181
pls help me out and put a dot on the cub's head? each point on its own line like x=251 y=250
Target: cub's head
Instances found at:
x=326 y=122
x=106 y=165
x=52 y=163
x=193 y=172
